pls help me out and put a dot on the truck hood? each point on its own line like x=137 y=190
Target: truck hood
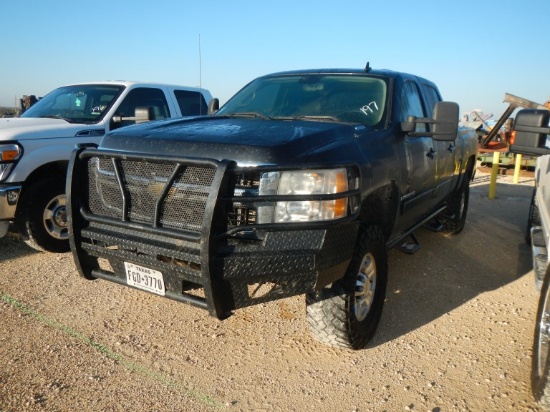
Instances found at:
x=23 y=128
x=246 y=141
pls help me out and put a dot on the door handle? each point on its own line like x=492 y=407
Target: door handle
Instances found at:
x=431 y=153
x=451 y=147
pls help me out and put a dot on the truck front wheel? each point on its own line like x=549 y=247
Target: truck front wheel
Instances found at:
x=540 y=367
x=42 y=216
x=347 y=313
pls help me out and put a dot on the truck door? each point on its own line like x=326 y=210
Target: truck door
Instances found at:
x=445 y=151
x=418 y=175
x=142 y=97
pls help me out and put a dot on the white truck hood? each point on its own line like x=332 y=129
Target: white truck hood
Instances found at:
x=21 y=128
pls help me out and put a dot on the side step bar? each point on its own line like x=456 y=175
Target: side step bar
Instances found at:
x=409 y=245
x=540 y=255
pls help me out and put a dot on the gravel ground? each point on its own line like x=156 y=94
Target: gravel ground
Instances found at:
x=455 y=335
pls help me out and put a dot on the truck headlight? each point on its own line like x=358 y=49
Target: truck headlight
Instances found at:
x=9 y=155
x=304 y=182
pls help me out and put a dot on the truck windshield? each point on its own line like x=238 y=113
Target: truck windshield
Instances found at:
x=76 y=104
x=328 y=97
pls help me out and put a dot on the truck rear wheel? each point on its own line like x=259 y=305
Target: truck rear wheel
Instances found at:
x=347 y=313
x=454 y=217
x=540 y=368
x=42 y=216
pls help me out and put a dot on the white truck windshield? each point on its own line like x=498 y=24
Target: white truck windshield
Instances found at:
x=76 y=104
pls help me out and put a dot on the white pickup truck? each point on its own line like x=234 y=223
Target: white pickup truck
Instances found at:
x=532 y=137
x=35 y=148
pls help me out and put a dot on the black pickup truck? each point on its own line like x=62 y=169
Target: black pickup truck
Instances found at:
x=299 y=184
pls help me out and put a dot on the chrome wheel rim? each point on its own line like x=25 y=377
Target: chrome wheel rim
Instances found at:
x=364 y=287
x=55 y=218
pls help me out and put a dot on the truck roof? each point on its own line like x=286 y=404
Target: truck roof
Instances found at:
x=375 y=72
x=128 y=83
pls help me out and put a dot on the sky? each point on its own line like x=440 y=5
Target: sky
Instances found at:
x=474 y=50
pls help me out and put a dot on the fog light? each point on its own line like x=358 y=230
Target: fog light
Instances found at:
x=12 y=196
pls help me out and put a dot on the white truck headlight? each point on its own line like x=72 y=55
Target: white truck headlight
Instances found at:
x=304 y=182
x=9 y=154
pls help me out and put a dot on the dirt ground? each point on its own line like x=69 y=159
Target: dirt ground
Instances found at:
x=455 y=335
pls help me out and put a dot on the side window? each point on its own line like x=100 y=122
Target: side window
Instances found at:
x=432 y=97
x=143 y=97
x=98 y=103
x=411 y=105
x=191 y=103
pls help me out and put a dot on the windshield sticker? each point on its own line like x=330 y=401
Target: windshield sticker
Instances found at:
x=369 y=108
x=98 y=109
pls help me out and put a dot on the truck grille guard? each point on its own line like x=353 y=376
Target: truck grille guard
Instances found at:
x=185 y=208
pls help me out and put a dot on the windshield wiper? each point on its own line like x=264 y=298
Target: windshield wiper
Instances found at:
x=313 y=118
x=249 y=114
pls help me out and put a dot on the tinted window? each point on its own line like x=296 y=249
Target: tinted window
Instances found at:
x=318 y=97
x=191 y=103
x=143 y=97
x=432 y=97
x=411 y=105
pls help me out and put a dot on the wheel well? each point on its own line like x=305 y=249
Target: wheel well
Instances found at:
x=380 y=207
x=469 y=168
x=53 y=169
x=471 y=164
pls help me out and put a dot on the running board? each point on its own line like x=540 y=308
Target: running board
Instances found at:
x=434 y=225
x=398 y=240
x=540 y=255
x=409 y=245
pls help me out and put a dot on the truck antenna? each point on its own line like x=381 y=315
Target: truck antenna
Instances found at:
x=200 y=63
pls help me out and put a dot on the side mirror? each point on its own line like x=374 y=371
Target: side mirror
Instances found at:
x=445 y=121
x=141 y=115
x=214 y=105
x=531 y=132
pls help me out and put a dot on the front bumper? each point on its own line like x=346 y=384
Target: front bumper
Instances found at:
x=203 y=260
x=233 y=276
x=9 y=196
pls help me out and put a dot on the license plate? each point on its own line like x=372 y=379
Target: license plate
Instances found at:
x=144 y=278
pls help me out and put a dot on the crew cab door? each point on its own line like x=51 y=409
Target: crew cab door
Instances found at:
x=419 y=170
x=445 y=151
x=141 y=97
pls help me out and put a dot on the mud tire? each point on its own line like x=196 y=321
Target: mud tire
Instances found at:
x=41 y=217
x=347 y=313
x=453 y=218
